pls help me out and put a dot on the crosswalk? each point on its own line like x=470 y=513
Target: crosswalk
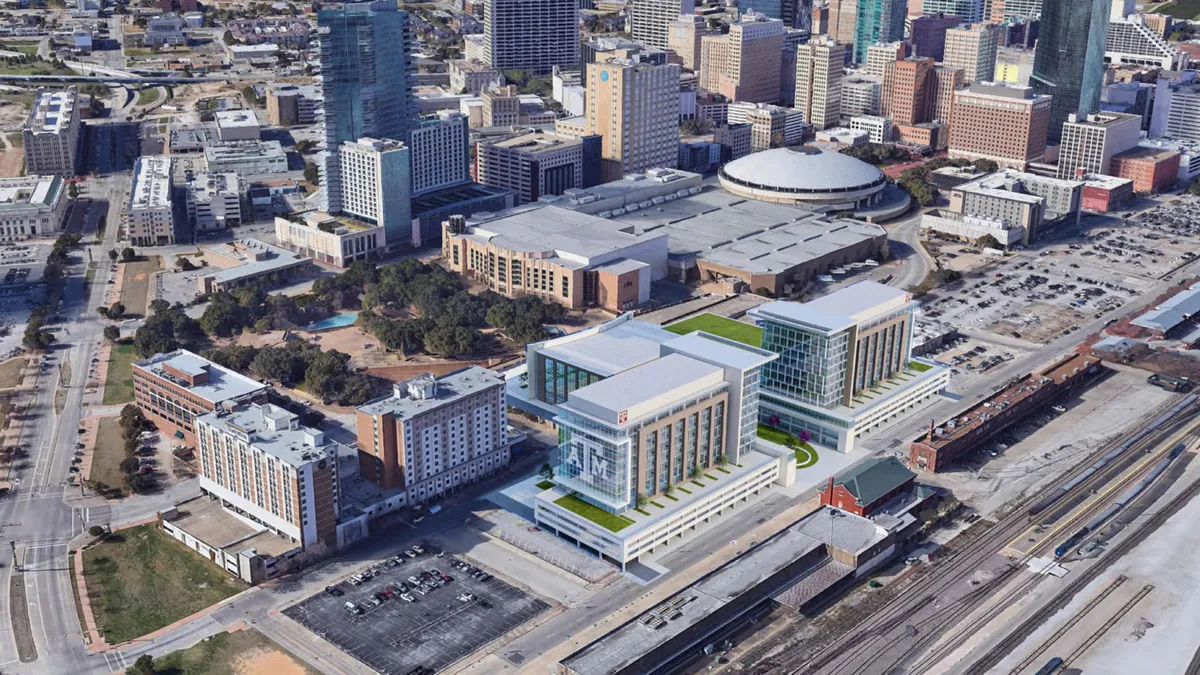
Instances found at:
x=116 y=661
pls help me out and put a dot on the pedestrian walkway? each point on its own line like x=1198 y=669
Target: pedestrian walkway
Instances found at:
x=531 y=539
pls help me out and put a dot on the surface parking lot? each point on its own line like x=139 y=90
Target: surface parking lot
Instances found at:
x=423 y=636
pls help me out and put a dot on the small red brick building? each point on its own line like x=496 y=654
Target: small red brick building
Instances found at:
x=868 y=486
x=1102 y=194
x=1151 y=169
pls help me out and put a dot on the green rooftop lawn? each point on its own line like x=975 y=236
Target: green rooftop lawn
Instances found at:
x=609 y=521
x=918 y=366
x=718 y=325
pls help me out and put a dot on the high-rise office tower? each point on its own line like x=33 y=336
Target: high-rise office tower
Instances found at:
x=972 y=49
x=743 y=65
x=1069 y=64
x=880 y=54
x=796 y=14
x=970 y=11
x=819 y=66
x=651 y=19
x=907 y=90
x=376 y=185
x=634 y=107
x=946 y=81
x=842 y=16
x=531 y=35
x=1011 y=8
x=877 y=21
x=792 y=38
x=928 y=35
x=684 y=35
x=1007 y=125
x=367 y=80
x=440 y=153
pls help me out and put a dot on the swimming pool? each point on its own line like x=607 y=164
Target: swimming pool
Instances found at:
x=335 y=321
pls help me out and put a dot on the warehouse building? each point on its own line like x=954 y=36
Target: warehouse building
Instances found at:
x=942 y=444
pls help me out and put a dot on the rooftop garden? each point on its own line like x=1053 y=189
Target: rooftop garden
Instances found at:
x=609 y=521
x=718 y=325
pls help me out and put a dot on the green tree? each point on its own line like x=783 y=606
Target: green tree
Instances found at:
x=112 y=333
x=128 y=254
x=143 y=666
x=546 y=472
x=326 y=374
x=113 y=255
x=158 y=305
x=447 y=340
x=129 y=465
x=116 y=311
x=184 y=263
x=312 y=174
x=987 y=241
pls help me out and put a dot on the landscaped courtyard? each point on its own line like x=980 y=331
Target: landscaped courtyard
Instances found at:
x=609 y=521
x=806 y=454
x=718 y=325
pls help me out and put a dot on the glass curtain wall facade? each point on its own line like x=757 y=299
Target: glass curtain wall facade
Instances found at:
x=877 y=21
x=1069 y=62
x=605 y=465
x=367 y=78
x=811 y=367
x=560 y=379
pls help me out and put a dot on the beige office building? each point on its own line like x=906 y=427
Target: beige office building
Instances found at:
x=650 y=20
x=151 y=215
x=634 y=107
x=501 y=107
x=843 y=15
x=819 y=66
x=973 y=50
x=684 y=37
x=1005 y=124
x=1090 y=141
x=743 y=65
x=334 y=240
x=531 y=165
x=52 y=133
x=880 y=54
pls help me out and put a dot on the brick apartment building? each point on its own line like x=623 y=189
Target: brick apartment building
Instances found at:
x=435 y=434
x=1151 y=169
x=173 y=389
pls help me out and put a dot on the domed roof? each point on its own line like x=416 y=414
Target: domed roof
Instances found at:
x=801 y=168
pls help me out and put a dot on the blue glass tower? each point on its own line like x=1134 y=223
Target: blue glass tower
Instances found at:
x=367 y=77
x=877 y=21
x=1069 y=63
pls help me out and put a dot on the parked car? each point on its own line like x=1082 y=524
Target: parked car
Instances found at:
x=352 y=608
x=334 y=591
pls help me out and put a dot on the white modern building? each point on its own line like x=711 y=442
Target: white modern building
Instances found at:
x=52 y=134
x=214 y=200
x=1176 y=106
x=845 y=364
x=164 y=29
x=32 y=206
x=334 y=240
x=376 y=186
x=248 y=158
x=261 y=463
x=973 y=228
x=151 y=215
x=861 y=95
x=657 y=429
x=650 y=20
x=237 y=125
x=879 y=129
x=1131 y=42
x=440 y=153
x=1089 y=142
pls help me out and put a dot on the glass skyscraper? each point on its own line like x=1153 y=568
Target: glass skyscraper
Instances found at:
x=877 y=21
x=367 y=76
x=1069 y=63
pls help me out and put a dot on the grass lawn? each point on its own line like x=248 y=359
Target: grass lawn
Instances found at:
x=544 y=485
x=16 y=140
x=672 y=497
x=774 y=435
x=685 y=491
x=135 y=284
x=118 y=385
x=698 y=483
x=710 y=477
x=110 y=450
x=10 y=372
x=722 y=469
x=147 y=96
x=609 y=521
x=644 y=513
x=23 y=46
x=34 y=68
x=658 y=505
x=918 y=366
x=806 y=456
x=718 y=325
x=140 y=580
x=250 y=650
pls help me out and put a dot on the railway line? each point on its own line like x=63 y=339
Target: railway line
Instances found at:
x=871 y=645
x=1080 y=580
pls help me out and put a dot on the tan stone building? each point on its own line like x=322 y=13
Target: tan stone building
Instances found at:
x=434 y=434
x=819 y=68
x=501 y=107
x=743 y=65
x=973 y=50
x=684 y=36
x=634 y=107
x=575 y=259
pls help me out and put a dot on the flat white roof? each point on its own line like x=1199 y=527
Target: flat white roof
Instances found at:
x=52 y=111
x=223 y=384
x=648 y=387
x=611 y=349
x=29 y=191
x=151 y=183
x=845 y=307
x=236 y=118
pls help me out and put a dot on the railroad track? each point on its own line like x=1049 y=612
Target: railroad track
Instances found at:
x=1112 y=621
x=875 y=636
x=1057 y=635
x=986 y=663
